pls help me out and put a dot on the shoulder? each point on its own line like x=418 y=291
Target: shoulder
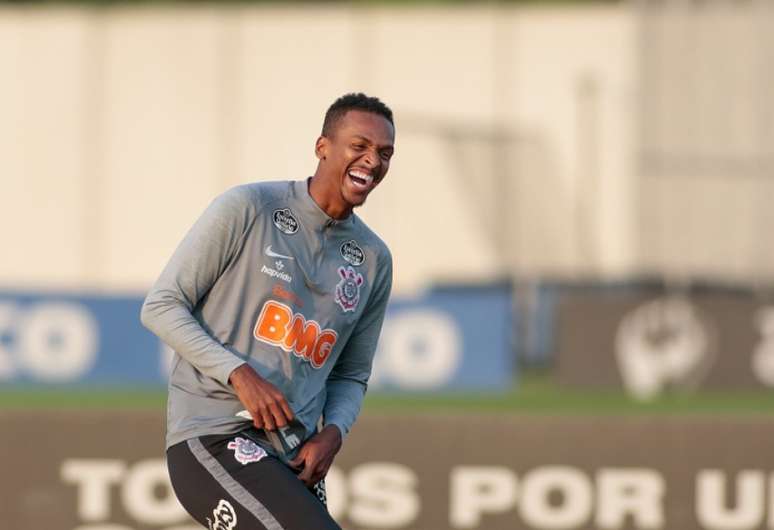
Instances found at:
x=373 y=242
x=256 y=195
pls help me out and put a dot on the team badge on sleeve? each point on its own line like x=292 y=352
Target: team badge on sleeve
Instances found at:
x=352 y=253
x=284 y=220
x=246 y=451
x=348 y=289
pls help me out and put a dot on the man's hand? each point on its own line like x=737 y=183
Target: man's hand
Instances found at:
x=315 y=457
x=262 y=400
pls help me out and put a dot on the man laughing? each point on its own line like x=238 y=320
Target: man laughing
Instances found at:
x=273 y=303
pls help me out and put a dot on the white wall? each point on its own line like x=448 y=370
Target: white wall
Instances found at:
x=120 y=125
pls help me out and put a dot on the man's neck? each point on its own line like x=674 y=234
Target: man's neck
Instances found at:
x=328 y=197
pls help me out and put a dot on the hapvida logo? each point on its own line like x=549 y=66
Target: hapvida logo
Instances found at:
x=274 y=273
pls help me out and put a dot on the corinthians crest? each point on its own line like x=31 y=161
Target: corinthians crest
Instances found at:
x=246 y=451
x=348 y=289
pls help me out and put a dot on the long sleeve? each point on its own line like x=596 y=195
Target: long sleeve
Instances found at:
x=347 y=383
x=195 y=266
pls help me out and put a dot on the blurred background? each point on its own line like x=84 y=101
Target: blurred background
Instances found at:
x=579 y=211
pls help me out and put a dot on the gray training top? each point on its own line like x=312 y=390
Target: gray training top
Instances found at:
x=266 y=277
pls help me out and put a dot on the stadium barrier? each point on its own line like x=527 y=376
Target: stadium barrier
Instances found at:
x=650 y=340
x=451 y=338
x=101 y=470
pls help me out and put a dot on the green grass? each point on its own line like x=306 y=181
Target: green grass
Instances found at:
x=68 y=398
x=535 y=395
x=540 y=395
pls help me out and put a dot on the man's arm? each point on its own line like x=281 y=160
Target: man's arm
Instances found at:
x=198 y=262
x=347 y=383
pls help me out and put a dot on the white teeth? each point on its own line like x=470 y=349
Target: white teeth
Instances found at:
x=362 y=176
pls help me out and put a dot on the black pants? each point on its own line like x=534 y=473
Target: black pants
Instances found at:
x=228 y=483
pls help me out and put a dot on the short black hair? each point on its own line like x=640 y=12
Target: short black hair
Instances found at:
x=353 y=101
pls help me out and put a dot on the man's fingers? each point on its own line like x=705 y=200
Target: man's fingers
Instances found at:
x=267 y=405
x=279 y=416
x=300 y=460
x=306 y=475
x=268 y=421
x=317 y=477
x=305 y=462
x=320 y=472
x=286 y=409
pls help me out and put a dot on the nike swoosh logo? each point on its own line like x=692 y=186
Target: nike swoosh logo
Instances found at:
x=269 y=252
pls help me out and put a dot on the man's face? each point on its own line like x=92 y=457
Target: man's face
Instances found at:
x=357 y=154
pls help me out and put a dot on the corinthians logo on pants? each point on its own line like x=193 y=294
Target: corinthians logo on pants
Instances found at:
x=224 y=517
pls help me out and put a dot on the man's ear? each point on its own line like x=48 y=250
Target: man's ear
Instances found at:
x=321 y=148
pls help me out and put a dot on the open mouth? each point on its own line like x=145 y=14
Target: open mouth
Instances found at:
x=360 y=179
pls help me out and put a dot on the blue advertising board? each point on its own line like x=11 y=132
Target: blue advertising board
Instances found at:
x=449 y=339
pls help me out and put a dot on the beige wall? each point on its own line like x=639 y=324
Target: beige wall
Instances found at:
x=119 y=126
x=708 y=139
